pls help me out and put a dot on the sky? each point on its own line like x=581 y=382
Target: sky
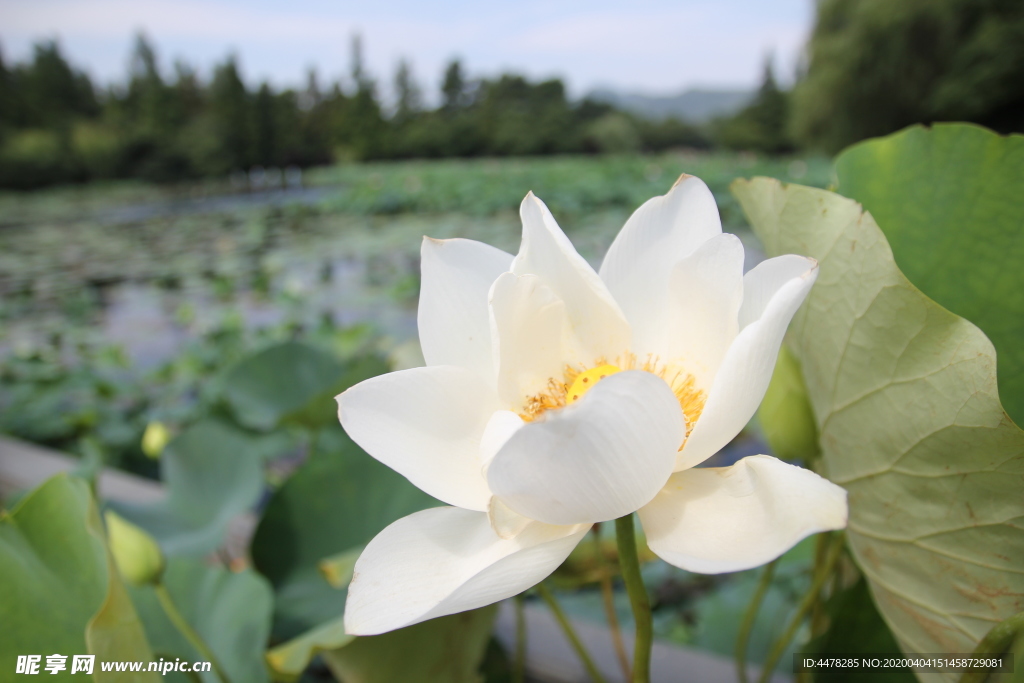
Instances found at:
x=655 y=47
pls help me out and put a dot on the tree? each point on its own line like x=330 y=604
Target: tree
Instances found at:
x=148 y=96
x=453 y=87
x=7 y=94
x=876 y=66
x=230 y=110
x=265 y=148
x=408 y=93
x=358 y=71
x=762 y=125
x=52 y=93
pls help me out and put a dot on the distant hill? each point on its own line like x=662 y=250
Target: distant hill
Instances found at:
x=696 y=105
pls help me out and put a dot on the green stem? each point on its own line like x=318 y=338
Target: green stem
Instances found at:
x=187 y=631
x=519 y=665
x=749 y=617
x=821 y=574
x=629 y=561
x=570 y=633
x=608 y=597
x=996 y=642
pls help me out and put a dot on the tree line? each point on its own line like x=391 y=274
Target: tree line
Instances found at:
x=57 y=126
x=871 y=67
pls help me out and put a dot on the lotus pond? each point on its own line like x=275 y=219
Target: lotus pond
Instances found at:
x=198 y=334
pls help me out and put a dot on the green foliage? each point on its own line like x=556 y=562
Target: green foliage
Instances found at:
x=286 y=380
x=614 y=132
x=878 y=66
x=445 y=650
x=339 y=499
x=159 y=129
x=904 y=393
x=761 y=126
x=571 y=186
x=61 y=593
x=288 y=660
x=230 y=612
x=785 y=414
x=212 y=474
x=949 y=202
x=855 y=628
x=448 y=649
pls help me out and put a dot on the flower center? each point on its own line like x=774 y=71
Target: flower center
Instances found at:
x=586 y=380
x=577 y=381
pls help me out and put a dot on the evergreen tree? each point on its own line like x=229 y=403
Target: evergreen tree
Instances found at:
x=7 y=104
x=358 y=71
x=148 y=96
x=52 y=93
x=453 y=87
x=762 y=125
x=407 y=93
x=265 y=147
x=230 y=110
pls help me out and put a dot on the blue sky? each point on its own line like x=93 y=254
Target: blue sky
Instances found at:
x=656 y=47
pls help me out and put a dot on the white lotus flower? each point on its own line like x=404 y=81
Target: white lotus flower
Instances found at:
x=555 y=397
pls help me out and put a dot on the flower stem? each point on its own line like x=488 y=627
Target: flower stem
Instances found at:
x=821 y=575
x=519 y=665
x=996 y=642
x=186 y=630
x=749 y=617
x=608 y=596
x=638 y=598
x=570 y=633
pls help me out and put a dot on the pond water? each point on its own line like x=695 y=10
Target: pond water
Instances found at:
x=151 y=276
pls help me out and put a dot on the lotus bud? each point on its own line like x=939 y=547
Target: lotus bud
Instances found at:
x=136 y=553
x=155 y=439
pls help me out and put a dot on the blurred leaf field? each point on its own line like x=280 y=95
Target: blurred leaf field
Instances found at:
x=121 y=304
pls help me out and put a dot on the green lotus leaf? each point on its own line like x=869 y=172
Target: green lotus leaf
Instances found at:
x=288 y=660
x=293 y=383
x=61 y=592
x=910 y=423
x=213 y=472
x=231 y=611
x=949 y=201
x=444 y=650
x=338 y=500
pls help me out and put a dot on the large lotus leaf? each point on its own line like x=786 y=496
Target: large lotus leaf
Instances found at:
x=339 y=499
x=904 y=394
x=213 y=472
x=445 y=650
x=230 y=611
x=293 y=383
x=264 y=387
x=60 y=592
x=949 y=201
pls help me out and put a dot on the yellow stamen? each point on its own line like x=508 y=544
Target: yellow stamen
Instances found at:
x=585 y=381
x=560 y=392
